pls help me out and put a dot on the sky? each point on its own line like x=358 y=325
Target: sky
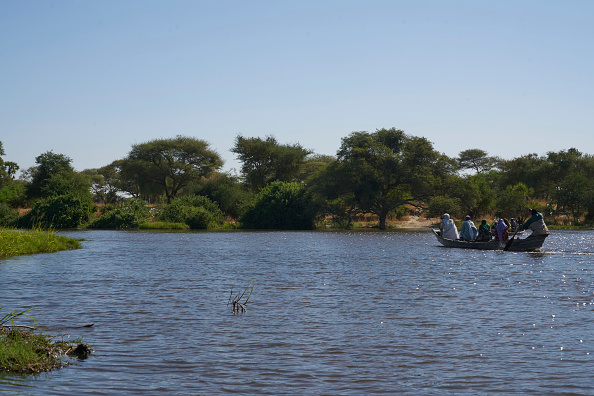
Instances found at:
x=89 y=79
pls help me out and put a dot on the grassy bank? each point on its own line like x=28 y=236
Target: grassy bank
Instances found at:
x=15 y=243
x=24 y=351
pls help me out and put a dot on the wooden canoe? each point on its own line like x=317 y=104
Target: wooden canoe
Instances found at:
x=528 y=244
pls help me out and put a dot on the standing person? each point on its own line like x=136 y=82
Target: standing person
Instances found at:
x=484 y=232
x=469 y=231
x=536 y=224
x=448 y=228
x=502 y=234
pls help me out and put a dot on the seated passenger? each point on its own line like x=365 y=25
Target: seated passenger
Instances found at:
x=513 y=225
x=502 y=234
x=469 y=231
x=448 y=228
x=536 y=224
x=484 y=232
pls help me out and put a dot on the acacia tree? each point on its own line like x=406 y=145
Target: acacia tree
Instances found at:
x=7 y=169
x=101 y=186
x=173 y=163
x=389 y=169
x=265 y=160
x=477 y=160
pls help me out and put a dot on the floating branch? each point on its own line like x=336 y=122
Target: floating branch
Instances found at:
x=235 y=301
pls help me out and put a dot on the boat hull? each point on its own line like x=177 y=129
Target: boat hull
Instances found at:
x=518 y=245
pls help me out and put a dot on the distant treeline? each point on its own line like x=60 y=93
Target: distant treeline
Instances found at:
x=386 y=173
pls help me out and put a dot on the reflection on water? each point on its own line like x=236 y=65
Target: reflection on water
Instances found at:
x=331 y=313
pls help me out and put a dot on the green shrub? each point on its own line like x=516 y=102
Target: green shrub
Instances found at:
x=8 y=217
x=197 y=211
x=227 y=191
x=14 y=194
x=281 y=205
x=62 y=211
x=131 y=214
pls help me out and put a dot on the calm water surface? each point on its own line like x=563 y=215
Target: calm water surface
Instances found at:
x=336 y=313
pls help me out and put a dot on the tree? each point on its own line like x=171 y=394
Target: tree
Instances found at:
x=331 y=188
x=7 y=169
x=60 y=211
x=49 y=165
x=264 y=161
x=388 y=169
x=477 y=160
x=573 y=194
x=531 y=170
x=281 y=205
x=513 y=202
x=226 y=190
x=171 y=164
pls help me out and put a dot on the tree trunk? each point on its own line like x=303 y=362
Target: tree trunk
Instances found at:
x=382 y=221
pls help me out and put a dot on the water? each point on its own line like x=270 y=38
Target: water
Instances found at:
x=346 y=313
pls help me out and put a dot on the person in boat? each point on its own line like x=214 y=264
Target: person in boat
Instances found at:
x=469 y=231
x=448 y=228
x=502 y=233
x=513 y=225
x=536 y=224
x=484 y=232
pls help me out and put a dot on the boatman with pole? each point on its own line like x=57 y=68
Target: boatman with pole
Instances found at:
x=536 y=224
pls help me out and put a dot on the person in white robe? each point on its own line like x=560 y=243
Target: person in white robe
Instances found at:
x=448 y=228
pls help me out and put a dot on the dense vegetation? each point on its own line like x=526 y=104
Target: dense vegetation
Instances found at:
x=22 y=350
x=383 y=174
x=16 y=243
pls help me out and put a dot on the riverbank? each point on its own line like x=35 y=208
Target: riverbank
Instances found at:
x=17 y=243
x=24 y=351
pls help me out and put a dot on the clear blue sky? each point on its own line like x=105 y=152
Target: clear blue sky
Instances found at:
x=89 y=79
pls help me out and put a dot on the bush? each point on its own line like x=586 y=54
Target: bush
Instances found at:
x=62 y=211
x=226 y=191
x=131 y=214
x=196 y=211
x=8 y=217
x=281 y=206
x=14 y=194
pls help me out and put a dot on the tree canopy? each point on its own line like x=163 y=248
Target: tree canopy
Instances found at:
x=383 y=173
x=477 y=160
x=388 y=169
x=266 y=160
x=171 y=164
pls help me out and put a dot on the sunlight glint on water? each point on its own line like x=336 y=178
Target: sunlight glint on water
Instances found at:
x=332 y=312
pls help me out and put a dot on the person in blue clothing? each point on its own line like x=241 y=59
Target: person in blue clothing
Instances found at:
x=536 y=224
x=469 y=231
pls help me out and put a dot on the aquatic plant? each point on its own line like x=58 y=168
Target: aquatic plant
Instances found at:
x=12 y=315
x=235 y=301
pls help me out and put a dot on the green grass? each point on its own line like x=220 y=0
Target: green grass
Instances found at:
x=163 y=225
x=27 y=352
x=24 y=351
x=16 y=243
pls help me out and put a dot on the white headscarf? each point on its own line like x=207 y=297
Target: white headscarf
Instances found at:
x=448 y=227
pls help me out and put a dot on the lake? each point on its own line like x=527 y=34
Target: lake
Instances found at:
x=332 y=312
